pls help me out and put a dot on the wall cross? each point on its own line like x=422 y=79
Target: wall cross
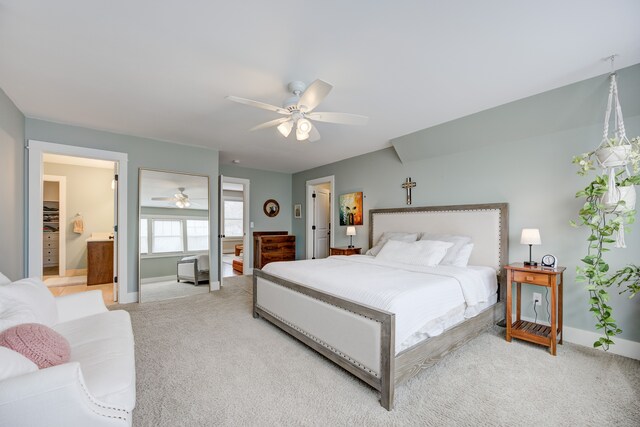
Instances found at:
x=408 y=185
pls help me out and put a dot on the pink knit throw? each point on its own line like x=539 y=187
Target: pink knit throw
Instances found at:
x=38 y=343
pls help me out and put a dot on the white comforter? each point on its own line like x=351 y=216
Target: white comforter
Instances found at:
x=416 y=295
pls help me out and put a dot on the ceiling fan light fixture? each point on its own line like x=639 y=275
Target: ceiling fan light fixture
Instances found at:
x=303 y=126
x=180 y=204
x=285 y=128
x=301 y=136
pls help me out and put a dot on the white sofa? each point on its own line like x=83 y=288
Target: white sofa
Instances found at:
x=97 y=387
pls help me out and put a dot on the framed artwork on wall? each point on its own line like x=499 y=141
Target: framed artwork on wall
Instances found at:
x=271 y=208
x=351 y=208
x=297 y=210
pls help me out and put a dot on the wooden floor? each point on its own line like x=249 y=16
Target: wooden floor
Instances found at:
x=107 y=291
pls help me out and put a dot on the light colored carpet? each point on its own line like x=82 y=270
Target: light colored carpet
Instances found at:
x=204 y=361
x=160 y=291
x=65 y=281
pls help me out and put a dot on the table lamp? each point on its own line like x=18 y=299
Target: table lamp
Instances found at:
x=351 y=231
x=530 y=236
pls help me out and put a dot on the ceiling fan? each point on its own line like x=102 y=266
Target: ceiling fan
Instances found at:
x=298 y=111
x=180 y=198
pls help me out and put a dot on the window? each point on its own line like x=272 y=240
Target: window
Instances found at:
x=233 y=218
x=167 y=236
x=144 y=236
x=197 y=235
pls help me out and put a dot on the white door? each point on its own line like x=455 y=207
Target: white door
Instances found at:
x=115 y=231
x=322 y=231
x=220 y=226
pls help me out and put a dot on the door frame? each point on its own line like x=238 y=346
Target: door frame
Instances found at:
x=62 y=219
x=35 y=173
x=247 y=265
x=309 y=201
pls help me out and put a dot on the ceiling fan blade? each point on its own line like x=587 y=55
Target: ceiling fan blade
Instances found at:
x=341 y=118
x=164 y=199
x=270 y=124
x=314 y=135
x=313 y=96
x=257 y=104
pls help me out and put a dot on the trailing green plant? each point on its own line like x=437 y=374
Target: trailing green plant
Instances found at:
x=603 y=225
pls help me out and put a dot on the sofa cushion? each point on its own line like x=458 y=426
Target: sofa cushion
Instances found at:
x=33 y=295
x=15 y=315
x=13 y=364
x=38 y=343
x=103 y=345
x=4 y=280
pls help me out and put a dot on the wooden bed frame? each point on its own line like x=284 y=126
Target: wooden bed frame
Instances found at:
x=393 y=369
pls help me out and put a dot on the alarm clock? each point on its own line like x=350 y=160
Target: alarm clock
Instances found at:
x=549 y=261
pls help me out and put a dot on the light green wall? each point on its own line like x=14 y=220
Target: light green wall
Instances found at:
x=533 y=174
x=165 y=266
x=265 y=185
x=11 y=189
x=142 y=152
x=88 y=193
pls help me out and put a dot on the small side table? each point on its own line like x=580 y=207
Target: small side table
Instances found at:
x=345 y=251
x=529 y=331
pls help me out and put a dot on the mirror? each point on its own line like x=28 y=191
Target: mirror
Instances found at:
x=174 y=235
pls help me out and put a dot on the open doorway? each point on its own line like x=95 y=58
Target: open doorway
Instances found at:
x=78 y=248
x=73 y=212
x=234 y=237
x=320 y=203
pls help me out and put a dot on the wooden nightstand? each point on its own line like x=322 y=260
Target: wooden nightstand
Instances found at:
x=345 y=251
x=529 y=331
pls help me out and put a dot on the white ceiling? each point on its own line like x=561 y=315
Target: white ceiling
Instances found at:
x=161 y=69
x=166 y=184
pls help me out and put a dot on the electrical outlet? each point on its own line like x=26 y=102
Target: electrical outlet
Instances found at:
x=537 y=297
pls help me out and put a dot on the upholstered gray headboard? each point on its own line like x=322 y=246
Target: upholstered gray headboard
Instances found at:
x=486 y=224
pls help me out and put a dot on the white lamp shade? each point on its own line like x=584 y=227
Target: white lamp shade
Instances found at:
x=351 y=231
x=301 y=136
x=530 y=236
x=285 y=128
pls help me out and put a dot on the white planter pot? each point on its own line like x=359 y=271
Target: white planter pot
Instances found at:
x=627 y=194
x=613 y=156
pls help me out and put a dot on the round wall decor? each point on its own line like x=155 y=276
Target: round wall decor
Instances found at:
x=271 y=208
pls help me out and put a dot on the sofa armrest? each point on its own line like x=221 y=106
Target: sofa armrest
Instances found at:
x=55 y=396
x=82 y=304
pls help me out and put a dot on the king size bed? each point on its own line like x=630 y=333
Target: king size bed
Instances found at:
x=386 y=318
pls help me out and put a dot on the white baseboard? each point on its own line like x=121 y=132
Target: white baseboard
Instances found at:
x=158 y=279
x=129 y=297
x=214 y=286
x=621 y=347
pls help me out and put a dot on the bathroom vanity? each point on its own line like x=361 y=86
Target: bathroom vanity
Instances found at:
x=99 y=261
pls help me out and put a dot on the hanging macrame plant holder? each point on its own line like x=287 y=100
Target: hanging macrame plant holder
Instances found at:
x=612 y=153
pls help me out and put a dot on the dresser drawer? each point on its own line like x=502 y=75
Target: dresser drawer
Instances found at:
x=50 y=244
x=50 y=253
x=50 y=261
x=50 y=237
x=537 y=279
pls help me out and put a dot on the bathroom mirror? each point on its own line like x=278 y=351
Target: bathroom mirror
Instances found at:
x=174 y=235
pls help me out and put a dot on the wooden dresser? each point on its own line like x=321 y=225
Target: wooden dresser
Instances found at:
x=99 y=262
x=273 y=247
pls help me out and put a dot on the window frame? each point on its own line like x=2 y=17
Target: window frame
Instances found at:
x=224 y=219
x=183 y=223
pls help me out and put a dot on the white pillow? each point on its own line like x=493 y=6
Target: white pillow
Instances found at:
x=426 y=253
x=391 y=235
x=4 y=280
x=16 y=314
x=13 y=364
x=462 y=258
x=33 y=295
x=452 y=253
